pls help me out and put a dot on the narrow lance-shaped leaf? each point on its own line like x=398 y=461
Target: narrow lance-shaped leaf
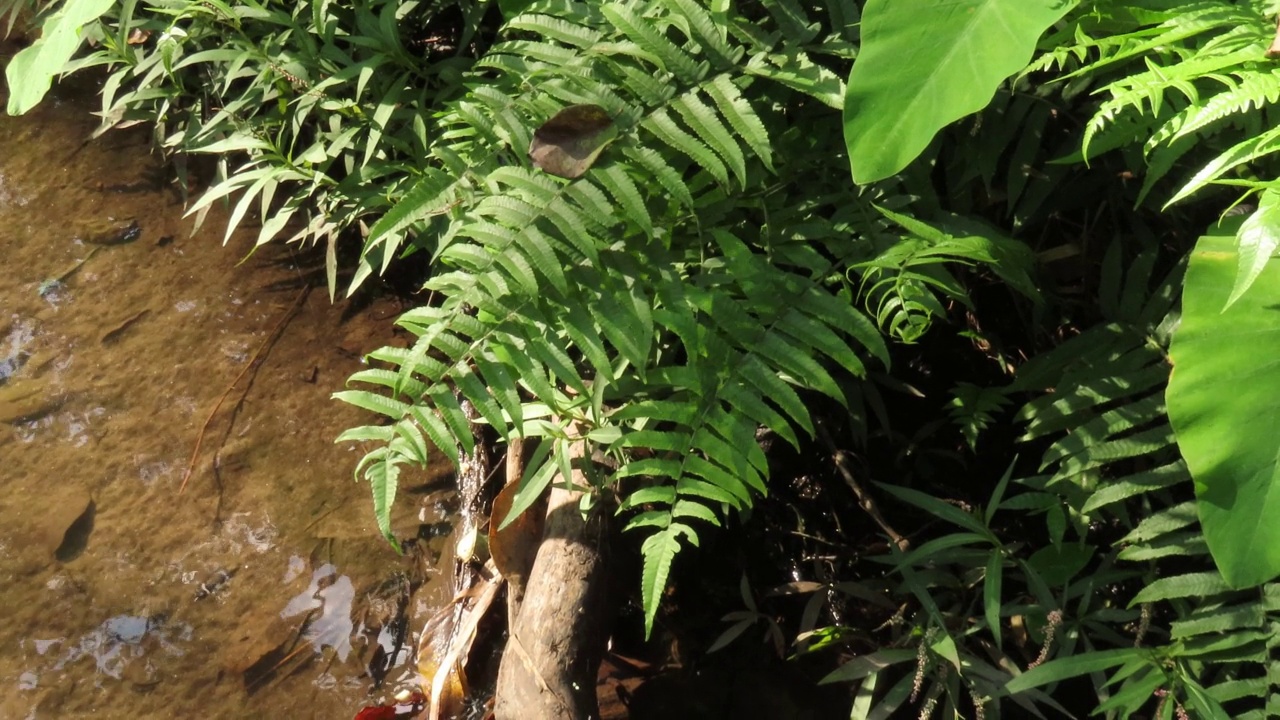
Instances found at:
x=1258 y=238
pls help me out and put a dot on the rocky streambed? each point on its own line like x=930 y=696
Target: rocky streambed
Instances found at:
x=264 y=590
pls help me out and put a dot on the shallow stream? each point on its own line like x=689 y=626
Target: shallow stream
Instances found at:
x=262 y=591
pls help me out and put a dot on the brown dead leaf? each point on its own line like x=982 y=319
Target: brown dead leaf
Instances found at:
x=568 y=144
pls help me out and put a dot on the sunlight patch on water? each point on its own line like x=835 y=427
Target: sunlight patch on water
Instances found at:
x=333 y=595
x=118 y=649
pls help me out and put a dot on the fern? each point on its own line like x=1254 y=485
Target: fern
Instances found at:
x=642 y=301
x=1118 y=453
x=1204 y=75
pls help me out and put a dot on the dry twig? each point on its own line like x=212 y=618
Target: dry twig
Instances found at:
x=253 y=362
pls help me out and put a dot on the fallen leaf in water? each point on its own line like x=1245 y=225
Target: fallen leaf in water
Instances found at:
x=403 y=708
x=446 y=642
x=568 y=144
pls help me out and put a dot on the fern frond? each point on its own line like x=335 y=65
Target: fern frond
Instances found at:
x=1246 y=90
x=642 y=299
x=1190 y=585
x=658 y=551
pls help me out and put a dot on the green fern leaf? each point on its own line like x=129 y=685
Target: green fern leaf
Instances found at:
x=476 y=391
x=725 y=452
x=1165 y=521
x=374 y=402
x=649 y=467
x=688 y=485
x=456 y=420
x=1181 y=544
x=658 y=494
x=658 y=551
x=771 y=386
x=383 y=477
x=706 y=31
x=438 y=432
x=558 y=29
x=531 y=375
x=1137 y=484
x=661 y=440
x=409 y=442
x=716 y=476
x=580 y=327
x=643 y=33
x=792 y=20
x=430 y=195
x=502 y=388
x=752 y=406
x=620 y=186
x=388 y=379
x=693 y=509
x=1191 y=585
x=666 y=176
x=367 y=433
x=707 y=126
x=661 y=126
x=1243 y=152
x=741 y=116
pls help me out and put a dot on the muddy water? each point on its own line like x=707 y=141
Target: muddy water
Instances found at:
x=263 y=590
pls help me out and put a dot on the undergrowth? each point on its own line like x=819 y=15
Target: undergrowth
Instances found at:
x=713 y=282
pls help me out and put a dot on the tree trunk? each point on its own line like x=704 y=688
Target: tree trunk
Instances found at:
x=548 y=669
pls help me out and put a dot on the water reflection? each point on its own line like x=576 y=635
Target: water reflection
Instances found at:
x=332 y=595
x=124 y=647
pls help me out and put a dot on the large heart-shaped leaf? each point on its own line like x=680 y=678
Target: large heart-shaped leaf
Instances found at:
x=925 y=64
x=1224 y=404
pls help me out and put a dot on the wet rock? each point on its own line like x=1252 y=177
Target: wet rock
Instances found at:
x=109 y=232
x=214 y=582
x=23 y=401
x=140 y=672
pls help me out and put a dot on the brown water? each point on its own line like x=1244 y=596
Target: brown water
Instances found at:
x=105 y=381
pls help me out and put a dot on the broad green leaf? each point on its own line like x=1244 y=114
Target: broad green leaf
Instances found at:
x=925 y=64
x=30 y=73
x=1224 y=405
